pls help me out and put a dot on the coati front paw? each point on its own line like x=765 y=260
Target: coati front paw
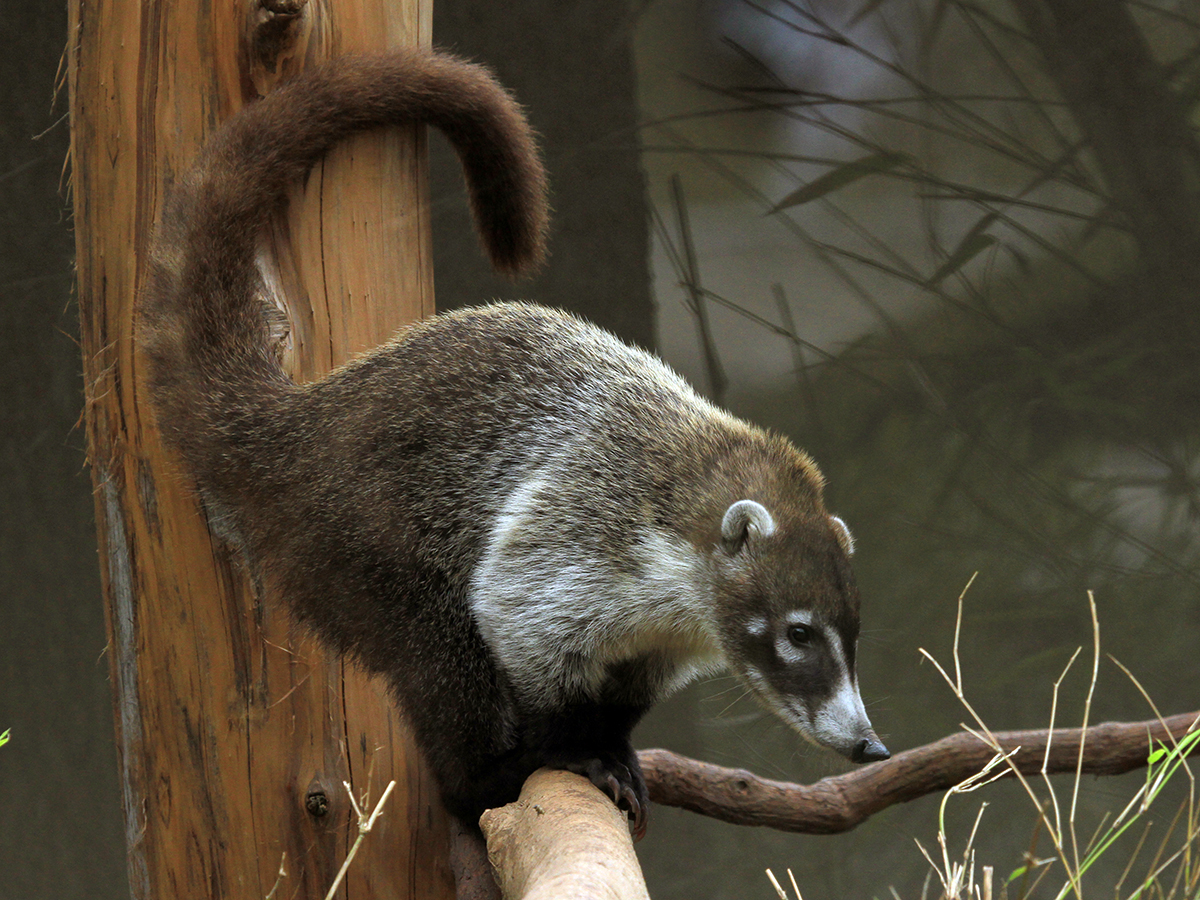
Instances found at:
x=623 y=783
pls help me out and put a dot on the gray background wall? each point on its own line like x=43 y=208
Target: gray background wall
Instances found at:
x=63 y=834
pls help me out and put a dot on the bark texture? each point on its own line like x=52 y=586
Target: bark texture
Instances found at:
x=562 y=840
x=234 y=730
x=841 y=802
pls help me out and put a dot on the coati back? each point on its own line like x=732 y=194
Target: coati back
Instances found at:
x=531 y=529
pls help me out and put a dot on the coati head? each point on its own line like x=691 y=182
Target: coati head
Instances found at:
x=790 y=629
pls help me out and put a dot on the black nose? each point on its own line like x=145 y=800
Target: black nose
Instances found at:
x=869 y=750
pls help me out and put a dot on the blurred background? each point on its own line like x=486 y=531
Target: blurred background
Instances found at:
x=951 y=247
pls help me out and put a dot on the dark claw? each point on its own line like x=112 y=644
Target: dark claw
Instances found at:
x=621 y=785
x=608 y=783
x=637 y=813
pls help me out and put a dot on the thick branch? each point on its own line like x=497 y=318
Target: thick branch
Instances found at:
x=563 y=839
x=839 y=803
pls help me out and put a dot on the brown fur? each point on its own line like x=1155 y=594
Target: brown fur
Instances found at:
x=487 y=476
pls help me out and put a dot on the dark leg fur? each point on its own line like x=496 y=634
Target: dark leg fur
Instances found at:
x=591 y=740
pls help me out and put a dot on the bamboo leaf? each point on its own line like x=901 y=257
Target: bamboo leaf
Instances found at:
x=847 y=173
x=972 y=244
x=865 y=10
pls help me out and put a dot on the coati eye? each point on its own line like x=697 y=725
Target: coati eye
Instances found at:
x=800 y=635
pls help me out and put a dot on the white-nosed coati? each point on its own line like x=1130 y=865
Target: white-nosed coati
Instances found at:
x=531 y=529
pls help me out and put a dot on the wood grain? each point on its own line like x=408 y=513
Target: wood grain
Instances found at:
x=231 y=723
x=562 y=840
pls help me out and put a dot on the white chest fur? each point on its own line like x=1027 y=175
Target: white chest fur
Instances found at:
x=558 y=617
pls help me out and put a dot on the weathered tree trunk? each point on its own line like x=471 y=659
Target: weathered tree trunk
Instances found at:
x=235 y=731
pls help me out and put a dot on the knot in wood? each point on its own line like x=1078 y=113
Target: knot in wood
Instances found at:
x=316 y=801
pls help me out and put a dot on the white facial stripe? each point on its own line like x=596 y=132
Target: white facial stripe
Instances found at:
x=842 y=720
x=835 y=646
x=757 y=627
x=799 y=617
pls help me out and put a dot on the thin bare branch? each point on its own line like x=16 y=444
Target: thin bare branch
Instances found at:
x=841 y=802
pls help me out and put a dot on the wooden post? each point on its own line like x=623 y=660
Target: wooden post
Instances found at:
x=235 y=731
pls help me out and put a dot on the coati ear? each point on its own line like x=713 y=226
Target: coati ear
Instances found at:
x=845 y=538
x=743 y=519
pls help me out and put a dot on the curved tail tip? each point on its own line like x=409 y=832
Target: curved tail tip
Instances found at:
x=518 y=256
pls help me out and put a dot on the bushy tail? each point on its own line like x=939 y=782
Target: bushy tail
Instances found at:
x=202 y=324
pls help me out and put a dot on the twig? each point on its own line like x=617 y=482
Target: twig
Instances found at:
x=1087 y=710
x=278 y=878
x=839 y=803
x=718 y=382
x=775 y=884
x=365 y=825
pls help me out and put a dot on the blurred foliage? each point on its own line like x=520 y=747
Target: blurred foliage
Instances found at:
x=1039 y=401
x=1025 y=401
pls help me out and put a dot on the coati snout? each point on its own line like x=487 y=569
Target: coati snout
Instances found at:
x=793 y=630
